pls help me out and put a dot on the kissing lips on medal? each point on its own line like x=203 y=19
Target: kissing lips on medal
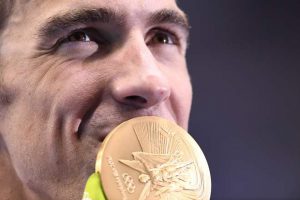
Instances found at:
x=149 y=158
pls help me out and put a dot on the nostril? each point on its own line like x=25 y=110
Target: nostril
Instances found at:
x=136 y=99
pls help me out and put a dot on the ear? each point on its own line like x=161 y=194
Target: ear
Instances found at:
x=4 y=97
x=5 y=100
x=5 y=10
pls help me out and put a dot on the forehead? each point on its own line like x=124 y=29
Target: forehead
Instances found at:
x=40 y=9
x=34 y=15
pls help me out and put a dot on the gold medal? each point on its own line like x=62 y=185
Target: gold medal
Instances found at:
x=150 y=158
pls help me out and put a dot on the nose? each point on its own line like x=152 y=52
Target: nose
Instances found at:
x=141 y=83
x=140 y=90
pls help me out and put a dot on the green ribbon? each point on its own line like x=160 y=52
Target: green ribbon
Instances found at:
x=93 y=188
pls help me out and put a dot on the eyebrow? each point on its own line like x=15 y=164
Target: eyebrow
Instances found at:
x=172 y=17
x=57 y=24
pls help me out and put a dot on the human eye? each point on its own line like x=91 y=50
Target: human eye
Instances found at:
x=78 y=36
x=162 y=37
x=85 y=41
x=81 y=38
x=87 y=35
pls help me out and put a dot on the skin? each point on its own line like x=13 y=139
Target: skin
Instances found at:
x=57 y=105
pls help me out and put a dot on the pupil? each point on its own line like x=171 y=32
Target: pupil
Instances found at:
x=79 y=36
x=161 y=38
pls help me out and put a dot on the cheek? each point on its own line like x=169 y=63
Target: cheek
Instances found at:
x=181 y=96
x=182 y=99
x=80 y=89
x=167 y=54
x=79 y=92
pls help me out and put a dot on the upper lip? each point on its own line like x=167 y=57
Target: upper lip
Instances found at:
x=108 y=126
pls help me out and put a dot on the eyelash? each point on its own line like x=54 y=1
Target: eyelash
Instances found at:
x=169 y=33
x=95 y=36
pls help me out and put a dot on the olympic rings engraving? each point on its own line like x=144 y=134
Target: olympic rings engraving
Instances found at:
x=129 y=182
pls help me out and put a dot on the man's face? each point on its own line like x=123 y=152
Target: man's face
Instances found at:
x=73 y=70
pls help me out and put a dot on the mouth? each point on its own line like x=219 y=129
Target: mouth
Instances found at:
x=98 y=126
x=100 y=131
x=98 y=120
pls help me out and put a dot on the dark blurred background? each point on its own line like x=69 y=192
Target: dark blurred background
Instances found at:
x=244 y=59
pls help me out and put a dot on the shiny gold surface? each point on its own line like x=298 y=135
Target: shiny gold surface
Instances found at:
x=150 y=158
